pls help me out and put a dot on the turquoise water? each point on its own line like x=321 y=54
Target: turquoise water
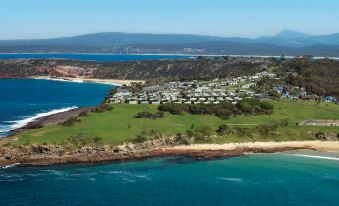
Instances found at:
x=23 y=99
x=95 y=57
x=276 y=179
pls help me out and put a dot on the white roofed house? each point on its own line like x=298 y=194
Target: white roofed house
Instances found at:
x=120 y=97
x=155 y=102
x=220 y=98
x=229 y=82
x=202 y=89
x=132 y=102
x=144 y=102
x=229 y=99
x=247 y=86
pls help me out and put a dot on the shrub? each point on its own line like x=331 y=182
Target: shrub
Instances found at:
x=243 y=132
x=320 y=135
x=223 y=129
x=283 y=123
x=150 y=115
x=182 y=139
x=97 y=140
x=103 y=108
x=190 y=133
x=70 y=122
x=267 y=129
x=82 y=114
x=175 y=109
x=143 y=115
x=203 y=133
x=140 y=138
x=223 y=113
x=79 y=139
x=157 y=115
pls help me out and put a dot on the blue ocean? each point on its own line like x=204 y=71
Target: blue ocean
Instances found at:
x=23 y=100
x=276 y=179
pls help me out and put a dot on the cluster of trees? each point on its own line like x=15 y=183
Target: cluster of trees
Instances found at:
x=223 y=110
x=265 y=86
x=150 y=115
x=317 y=76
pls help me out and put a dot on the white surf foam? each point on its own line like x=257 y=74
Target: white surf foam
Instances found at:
x=64 y=80
x=317 y=157
x=21 y=123
x=4 y=128
x=9 y=166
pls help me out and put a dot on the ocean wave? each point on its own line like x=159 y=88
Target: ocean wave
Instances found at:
x=64 y=80
x=21 y=123
x=317 y=157
x=10 y=166
x=231 y=179
x=4 y=128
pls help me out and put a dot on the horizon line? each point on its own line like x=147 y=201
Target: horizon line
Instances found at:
x=155 y=33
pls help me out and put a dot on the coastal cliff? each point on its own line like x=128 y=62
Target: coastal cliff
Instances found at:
x=66 y=154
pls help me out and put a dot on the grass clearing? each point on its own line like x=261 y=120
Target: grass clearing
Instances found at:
x=119 y=125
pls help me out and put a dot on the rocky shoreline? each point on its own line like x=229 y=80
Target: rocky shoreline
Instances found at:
x=38 y=155
x=52 y=119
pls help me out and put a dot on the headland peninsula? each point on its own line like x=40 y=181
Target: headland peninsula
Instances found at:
x=204 y=107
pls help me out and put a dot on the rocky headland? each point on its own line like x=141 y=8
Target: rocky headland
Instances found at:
x=67 y=154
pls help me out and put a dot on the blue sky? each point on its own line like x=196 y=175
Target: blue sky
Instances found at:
x=245 y=18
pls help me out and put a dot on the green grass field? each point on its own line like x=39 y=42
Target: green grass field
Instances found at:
x=119 y=125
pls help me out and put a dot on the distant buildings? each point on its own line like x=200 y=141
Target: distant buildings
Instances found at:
x=192 y=92
x=290 y=92
x=209 y=92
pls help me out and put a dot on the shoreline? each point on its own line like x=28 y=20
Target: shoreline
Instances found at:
x=36 y=120
x=49 y=118
x=113 y=82
x=44 y=155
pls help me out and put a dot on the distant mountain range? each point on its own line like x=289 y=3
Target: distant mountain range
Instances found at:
x=286 y=42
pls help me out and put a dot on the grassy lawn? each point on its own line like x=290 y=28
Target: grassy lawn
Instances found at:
x=119 y=125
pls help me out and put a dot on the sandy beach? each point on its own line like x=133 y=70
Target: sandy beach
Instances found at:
x=326 y=146
x=117 y=82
